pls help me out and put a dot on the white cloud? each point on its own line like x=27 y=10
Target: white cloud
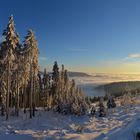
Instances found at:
x=42 y=58
x=135 y=55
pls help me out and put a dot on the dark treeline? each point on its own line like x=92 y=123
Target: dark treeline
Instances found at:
x=23 y=86
x=118 y=89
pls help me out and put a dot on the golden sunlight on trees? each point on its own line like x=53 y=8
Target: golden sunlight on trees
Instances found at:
x=23 y=86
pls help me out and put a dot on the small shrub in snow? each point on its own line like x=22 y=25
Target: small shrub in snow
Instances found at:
x=93 y=111
x=111 y=103
x=102 y=110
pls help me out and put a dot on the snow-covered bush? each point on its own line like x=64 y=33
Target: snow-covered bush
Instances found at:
x=102 y=110
x=111 y=102
x=93 y=110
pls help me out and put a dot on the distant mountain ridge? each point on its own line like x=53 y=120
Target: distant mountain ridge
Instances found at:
x=77 y=74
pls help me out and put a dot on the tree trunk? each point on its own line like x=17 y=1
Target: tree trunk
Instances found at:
x=31 y=89
x=2 y=109
x=17 y=111
x=33 y=93
x=7 y=94
x=24 y=98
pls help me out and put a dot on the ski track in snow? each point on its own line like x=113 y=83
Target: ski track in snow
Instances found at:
x=48 y=125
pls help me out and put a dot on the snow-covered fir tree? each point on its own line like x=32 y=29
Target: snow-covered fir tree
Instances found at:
x=8 y=57
x=22 y=84
x=31 y=43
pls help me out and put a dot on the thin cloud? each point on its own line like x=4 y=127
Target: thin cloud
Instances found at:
x=77 y=49
x=42 y=58
x=136 y=55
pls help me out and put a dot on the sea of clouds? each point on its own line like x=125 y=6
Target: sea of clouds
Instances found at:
x=89 y=83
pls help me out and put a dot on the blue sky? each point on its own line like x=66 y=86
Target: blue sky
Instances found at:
x=84 y=35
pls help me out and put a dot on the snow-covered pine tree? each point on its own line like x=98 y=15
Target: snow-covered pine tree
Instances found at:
x=66 y=87
x=61 y=93
x=62 y=74
x=31 y=43
x=11 y=40
x=55 y=84
x=25 y=78
x=46 y=88
x=74 y=98
x=66 y=80
x=65 y=92
x=40 y=84
x=22 y=83
x=84 y=103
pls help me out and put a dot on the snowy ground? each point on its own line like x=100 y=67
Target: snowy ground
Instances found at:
x=118 y=125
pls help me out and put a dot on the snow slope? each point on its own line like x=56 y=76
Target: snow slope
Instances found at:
x=119 y=124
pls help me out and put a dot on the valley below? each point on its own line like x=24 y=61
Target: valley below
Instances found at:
x=92 y=84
